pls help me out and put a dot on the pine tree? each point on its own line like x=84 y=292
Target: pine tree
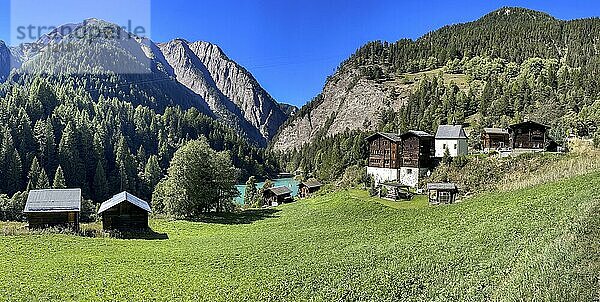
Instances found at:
x=10 y=162
x=34 y=175
x=43 y=181
x=251 y=192
x=126 y=167
x=100 y=183
x=59 y=179
x=70 y=161
x=152 y=172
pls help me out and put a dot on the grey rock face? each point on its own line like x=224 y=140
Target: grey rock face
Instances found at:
x=231 y=91
x=7 y=61
x=349 y=102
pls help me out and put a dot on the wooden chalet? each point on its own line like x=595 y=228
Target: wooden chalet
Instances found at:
x=306 y=188
x=494 y=139
x=385 y=150
x=277 y=195
x=53 y=208
x=529 y=135
x=442 y=193
x=417 y=149
x=124 y=211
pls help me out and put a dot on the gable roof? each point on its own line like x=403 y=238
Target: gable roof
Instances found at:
x=283 y=190
x=529 y=123
x=391 y=136
x=495 y=131
x=311 y=183
x=122 y=197
x=442 y=186
x=53 y=200
x=417 y=133
x=451 y=132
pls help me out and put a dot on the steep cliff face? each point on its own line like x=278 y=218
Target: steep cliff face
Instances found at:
x=7 y=61
x=231 y=92
x=348 y=101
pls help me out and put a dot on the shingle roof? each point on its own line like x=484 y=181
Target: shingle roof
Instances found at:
x=442 y=186
x=55 y=200
x=450 y=132
x=391 y=136
x=529 y=123
x=312 y=183
x=121 y=197
x=418 y=133
x=495 y=131
x=283 y=190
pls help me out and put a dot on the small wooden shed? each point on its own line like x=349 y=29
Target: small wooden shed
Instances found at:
x=53 y=208
x=277 y=195
x=308 y=187
x=395 y=191
x=124 y=211
x=442 y=193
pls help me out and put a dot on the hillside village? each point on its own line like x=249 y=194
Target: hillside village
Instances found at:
x=460 y=166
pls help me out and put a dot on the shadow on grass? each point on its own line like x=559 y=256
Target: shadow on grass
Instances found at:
x=147 y=234
x=243 y=217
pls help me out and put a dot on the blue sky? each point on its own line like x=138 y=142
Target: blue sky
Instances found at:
x=292 y=46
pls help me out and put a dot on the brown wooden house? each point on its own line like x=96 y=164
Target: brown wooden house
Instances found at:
x=53 y=208
x=529 y=135
x=124 y=212
x=306 y=188
x=385 y=150
x=277 y=195
x=442 y=193
x=494 y=139
x=418 y=149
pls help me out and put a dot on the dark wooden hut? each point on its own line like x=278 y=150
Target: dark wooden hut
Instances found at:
x=442 y=193
x=494 y=139
x=124 y=211
x=385 y=150
x=53 y=208
x=529 y=135
x=417 y=149
x=308 y=187
x=277 y=195
x=395 y=191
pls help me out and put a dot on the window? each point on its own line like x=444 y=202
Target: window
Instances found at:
x=444 y=197
x=445 y=147
x=455 y=146
x=409 y=171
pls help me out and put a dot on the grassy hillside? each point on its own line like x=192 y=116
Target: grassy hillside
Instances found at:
x=540 y=243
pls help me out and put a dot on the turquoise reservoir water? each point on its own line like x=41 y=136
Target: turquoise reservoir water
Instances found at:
x=288 y=182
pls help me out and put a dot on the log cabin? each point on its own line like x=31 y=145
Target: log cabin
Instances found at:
x=529 y=136
x=442 y=193
x=494 y=139
x=277 y=195
x=403 y=158
x=124 y=212
x=53 y=208
x=306 y=188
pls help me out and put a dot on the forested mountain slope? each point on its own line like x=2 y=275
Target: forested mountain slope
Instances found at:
x=107 y=115
x=139 y=71
x=512 y=64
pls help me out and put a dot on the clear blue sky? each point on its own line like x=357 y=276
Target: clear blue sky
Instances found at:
x=292 y=46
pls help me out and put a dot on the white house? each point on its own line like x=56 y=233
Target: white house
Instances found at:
x=453 y=138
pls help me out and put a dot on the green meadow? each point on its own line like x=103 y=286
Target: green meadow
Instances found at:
x=535 y=244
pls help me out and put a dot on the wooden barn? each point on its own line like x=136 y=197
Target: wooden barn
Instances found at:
x=306 y=188
x=277 y=195
x=529 y=135
x=417 y=149
x=385 y=150
x=494 y=139
x=442 y=193
x=124 y=211
x=53 y=208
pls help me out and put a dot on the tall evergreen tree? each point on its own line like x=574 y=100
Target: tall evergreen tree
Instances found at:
x=59 y=179
x=100 y=187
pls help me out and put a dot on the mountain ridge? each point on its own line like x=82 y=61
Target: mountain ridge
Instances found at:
x=380 y=75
